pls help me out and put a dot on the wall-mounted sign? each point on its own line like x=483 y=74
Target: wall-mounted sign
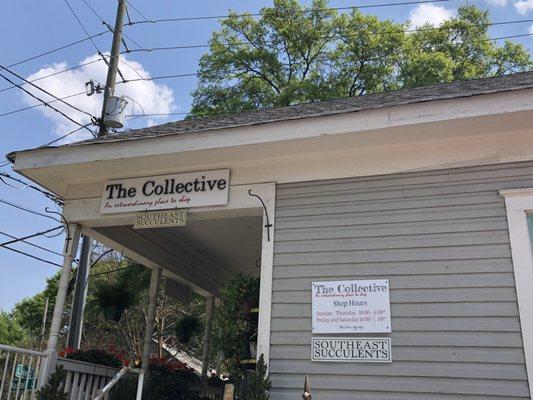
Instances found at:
x=351 y=306
x=195 y=189
x=160 y=219
x=336 y=349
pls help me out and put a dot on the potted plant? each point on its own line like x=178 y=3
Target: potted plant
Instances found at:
x=114 y=297
x=186 y=327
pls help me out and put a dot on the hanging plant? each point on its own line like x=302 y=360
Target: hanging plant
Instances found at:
x=113 y=298
x=186 y=327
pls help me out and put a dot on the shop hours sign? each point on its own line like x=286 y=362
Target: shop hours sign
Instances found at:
x=351 y=306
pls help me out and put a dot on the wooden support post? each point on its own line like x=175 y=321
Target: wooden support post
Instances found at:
x=155 y=283
x=209 y=305
x=69 y=252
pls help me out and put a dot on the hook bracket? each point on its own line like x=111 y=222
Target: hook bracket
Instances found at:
x=268 y=225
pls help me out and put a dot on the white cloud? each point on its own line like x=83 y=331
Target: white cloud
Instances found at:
x=523 y=6
x=431 y=14
x=152 y=97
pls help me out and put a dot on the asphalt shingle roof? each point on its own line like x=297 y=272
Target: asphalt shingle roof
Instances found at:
x=459 y=89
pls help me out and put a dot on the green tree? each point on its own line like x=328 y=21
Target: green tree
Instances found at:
x=294 y=54
x=29 y=311
x=11 y=333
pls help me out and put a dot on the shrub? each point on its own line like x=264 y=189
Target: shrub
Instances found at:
x=95 y=356
x=53 y=390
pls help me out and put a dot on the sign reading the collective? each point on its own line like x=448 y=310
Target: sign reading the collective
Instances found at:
x=195 y=189
x=336 y=349
x=160 y=219
x=351 y=306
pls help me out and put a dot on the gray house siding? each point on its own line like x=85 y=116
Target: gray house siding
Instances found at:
x=441 y=239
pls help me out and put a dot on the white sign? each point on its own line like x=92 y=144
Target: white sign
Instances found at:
x=158 y=219
x=195 y=189
x=351 y=306
x=336 y=349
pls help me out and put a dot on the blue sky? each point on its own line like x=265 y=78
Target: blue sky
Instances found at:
x=29 y=27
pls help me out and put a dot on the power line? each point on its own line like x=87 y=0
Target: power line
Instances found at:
x=87 y=34
x=45 y=103
x=104 y=22
x=82 y=26
x=200 y=46
x=9 y=203
x=46 y=91
x=21 y=239
x=45 y=53
x=155 y=114
x=67 y=70
x=137 y=10
x=32 y=256
x=206 y=46
x=31 y=244
x=54 y=73
x=41 y=104
x=258 y=14
x=159 y=77
x=49 y=195
x=192 y=74
x=65 y=135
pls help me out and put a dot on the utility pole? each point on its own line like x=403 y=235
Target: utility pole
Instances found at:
x=78 y=305
x=113 y=63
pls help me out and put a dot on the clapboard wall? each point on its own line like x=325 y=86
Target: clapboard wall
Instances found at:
x=441 y=238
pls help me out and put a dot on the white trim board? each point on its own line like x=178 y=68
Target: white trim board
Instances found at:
x=518 y=202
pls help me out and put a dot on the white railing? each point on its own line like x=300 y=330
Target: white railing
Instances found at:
x=84 y=380
x=105 y=391
x=22 y=372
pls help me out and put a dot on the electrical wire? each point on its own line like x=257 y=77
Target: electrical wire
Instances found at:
x=258 y=14
x=105 y=23
x=92 y=41
x=41 y=104
x=114 y=270
x=46 y=104
x=54 y=73
x=32 y=244
x=32 y=256
x=45 y=53
x=46 y=91
x=65 y=135
x=23 y=208
x=137 y=10
x=196 y=73
x=206 y=46
x=199 y=46
x=159 y=77
x=155 y=114
x=21 y=239
x=49 y=195
x=82 y=26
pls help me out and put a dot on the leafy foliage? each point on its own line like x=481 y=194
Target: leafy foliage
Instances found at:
x=95 y=356
x=54 y=388
x=11 y=333
x=295 y=54
x=29 y=312
x=258 y=382
x=231 y=327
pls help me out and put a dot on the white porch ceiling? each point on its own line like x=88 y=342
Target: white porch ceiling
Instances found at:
x=206 y=253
